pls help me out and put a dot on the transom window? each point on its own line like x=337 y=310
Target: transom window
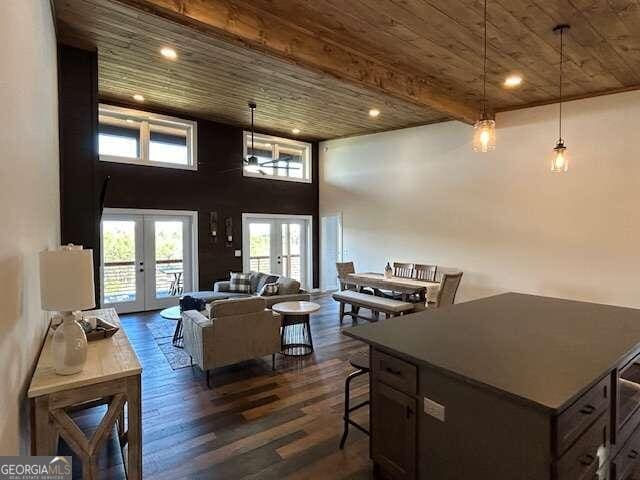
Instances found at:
x=141 y=138
x=279 y=158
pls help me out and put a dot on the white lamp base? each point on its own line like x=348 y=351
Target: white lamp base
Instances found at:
x=69 y=346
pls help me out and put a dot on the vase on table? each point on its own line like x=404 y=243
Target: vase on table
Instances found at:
x=388 y=272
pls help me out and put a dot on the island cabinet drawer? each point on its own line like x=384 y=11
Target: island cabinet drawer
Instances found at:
x=394 y=372
x=570 y=424
x=628 y=458
x=583 y=460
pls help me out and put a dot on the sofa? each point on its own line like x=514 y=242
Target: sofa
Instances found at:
x=231 y=331
x=289 y=290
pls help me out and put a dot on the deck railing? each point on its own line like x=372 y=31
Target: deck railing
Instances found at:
x=119 y=280
x=263 y=264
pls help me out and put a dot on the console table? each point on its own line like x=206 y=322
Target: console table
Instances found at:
x=510 y=387
x=110 y=377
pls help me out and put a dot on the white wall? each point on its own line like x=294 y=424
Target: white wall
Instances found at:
x=29 y=199
x=422 y=195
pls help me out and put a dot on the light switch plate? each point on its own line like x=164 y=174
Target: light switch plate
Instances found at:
x=238 y=253
x=434 y=409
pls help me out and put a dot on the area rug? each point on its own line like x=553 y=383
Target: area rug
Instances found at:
x=162 y=332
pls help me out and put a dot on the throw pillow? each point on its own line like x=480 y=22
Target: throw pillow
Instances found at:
x=288 y=286
x=240 y=283
x=269 y=290
x=266 y=278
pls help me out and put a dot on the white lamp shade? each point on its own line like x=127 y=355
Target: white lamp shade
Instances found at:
x=66 y=279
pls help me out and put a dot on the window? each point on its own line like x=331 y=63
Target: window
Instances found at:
x=132 y=136
x=280 y=158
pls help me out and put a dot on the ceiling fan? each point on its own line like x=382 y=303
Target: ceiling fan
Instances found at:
x=252 y=163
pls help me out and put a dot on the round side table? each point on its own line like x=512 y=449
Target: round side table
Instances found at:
x=295 y=335
x=173 y=313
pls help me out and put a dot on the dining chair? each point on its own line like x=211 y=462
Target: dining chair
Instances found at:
x=426 y=273
x=402 y=270
x=448 y=289
x=344 y=269
x=440 y=271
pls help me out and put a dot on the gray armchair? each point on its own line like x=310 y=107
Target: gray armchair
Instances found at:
x=236 y=330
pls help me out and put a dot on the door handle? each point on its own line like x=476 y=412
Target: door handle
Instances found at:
x=142 y=269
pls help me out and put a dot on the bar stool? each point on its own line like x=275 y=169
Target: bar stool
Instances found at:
x=360 y=362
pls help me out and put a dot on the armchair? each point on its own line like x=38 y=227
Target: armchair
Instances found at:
x=236 y=330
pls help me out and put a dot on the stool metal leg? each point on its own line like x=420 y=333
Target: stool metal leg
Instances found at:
x=348 y=408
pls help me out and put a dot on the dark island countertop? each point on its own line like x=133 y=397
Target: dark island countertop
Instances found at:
x=545 y=351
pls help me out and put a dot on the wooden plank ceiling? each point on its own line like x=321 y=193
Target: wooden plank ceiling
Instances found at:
x=321 y=65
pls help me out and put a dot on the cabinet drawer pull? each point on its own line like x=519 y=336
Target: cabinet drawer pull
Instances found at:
x=633 y=454
x=586 y=459
x=392 y=371
x=587 y=409
x=409 y=411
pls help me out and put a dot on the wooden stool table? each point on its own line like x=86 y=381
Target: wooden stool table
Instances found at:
x=296 y=314
x=110 y=377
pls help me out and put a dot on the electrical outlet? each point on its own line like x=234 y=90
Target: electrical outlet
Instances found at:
x=434 y=409
x=238 y=253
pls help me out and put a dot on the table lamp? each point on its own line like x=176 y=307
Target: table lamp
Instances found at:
x=66 y=284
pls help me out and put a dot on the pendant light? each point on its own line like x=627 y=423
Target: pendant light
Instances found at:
x=484 y=134
x=251 y=162
x=560 y=162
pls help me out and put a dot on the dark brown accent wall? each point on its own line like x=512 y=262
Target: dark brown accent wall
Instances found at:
x=204 y=190
x=78 y=122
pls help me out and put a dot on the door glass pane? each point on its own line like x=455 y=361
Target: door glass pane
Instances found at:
x=295 y=251
x=119 y=247
x=286 y=270
x=260 y=247
x=169 y=258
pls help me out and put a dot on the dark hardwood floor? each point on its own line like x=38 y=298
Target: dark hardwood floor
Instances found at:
x=254 y=423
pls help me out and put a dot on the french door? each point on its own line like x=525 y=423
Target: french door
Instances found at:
x=278 y=245
x=147 y=260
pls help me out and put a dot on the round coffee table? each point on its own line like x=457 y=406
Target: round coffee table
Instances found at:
x=173 y=313
x=295 y=336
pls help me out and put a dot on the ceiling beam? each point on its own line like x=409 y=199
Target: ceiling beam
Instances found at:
x=274 y=36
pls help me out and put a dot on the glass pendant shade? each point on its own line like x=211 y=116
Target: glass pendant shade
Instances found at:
x=484 y=136
x=560 y=161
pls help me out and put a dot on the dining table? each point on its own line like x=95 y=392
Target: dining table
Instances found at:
x=406 y=287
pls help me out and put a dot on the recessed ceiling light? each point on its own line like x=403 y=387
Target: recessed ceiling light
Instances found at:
x=513 y=81
x=129 y=120
x=168 y=52
x=138 y=98
x=295 y=131
x=374 y=112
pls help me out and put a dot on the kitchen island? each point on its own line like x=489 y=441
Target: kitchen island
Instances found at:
x=508 y=387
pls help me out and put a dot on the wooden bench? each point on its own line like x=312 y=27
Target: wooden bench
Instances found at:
x=358 y=300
